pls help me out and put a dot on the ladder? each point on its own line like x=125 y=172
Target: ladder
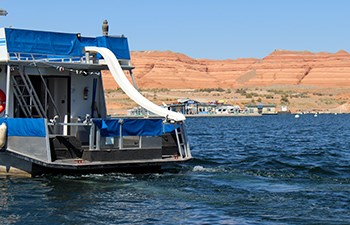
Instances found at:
x=26 y=95
x=182 y=142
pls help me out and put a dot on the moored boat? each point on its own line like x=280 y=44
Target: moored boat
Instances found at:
x=53 y=111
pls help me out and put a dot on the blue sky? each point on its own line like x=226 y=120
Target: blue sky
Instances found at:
x=219 y=29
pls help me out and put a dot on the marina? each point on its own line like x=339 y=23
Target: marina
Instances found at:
x=225 y=112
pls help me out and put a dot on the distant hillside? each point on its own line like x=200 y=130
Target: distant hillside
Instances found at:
x=155 y=69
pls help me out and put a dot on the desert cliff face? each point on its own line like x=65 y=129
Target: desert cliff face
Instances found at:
x=304 y=68
x=311 y=81
x=170 y=70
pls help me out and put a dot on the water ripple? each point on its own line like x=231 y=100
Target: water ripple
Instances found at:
x=247 y=170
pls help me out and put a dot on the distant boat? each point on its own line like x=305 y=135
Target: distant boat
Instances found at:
x=297 y=116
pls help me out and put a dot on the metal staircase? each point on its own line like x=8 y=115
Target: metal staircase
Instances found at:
x=27 y=96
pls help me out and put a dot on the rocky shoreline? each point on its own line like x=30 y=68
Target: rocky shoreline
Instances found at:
x=301 y=100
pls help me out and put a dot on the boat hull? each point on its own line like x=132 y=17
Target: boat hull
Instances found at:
x=12 y=164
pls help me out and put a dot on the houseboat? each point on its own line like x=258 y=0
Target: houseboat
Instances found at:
x=53 y=112
x=261 y=109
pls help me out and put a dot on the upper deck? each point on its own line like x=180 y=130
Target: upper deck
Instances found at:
x=22 y=46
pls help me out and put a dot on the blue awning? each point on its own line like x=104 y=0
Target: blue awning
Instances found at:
x=61 y=44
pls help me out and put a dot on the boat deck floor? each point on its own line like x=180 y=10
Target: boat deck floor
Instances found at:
x=82 y=162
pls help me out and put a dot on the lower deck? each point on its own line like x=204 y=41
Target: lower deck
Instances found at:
x=33 y=147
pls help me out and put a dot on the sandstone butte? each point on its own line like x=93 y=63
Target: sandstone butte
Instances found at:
x=169 y=70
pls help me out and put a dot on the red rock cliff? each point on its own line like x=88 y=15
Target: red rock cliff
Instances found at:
x=156 y=69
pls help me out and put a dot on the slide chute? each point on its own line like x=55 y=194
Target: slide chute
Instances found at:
x=123 y=82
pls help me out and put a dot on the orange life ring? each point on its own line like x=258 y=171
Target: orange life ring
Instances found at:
x=2 y=101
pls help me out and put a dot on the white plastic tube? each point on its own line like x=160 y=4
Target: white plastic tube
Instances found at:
x=119 y=76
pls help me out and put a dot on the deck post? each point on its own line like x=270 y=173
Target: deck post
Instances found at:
x=48 y=148
x=140 y=142
x=120 y=133
x=133 y=80
x=8 y=85
x=87 y=57
x=98 y=139
x=92 y=137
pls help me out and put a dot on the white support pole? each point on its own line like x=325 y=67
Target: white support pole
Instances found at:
x=92 y=137
x=121 y=134
x=98 y=139
x=133 y=80
x=8 y=84
x=48 y=148
x=65 y=126
x=140 y=142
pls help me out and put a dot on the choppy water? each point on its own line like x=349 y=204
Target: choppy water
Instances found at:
x=248 y=170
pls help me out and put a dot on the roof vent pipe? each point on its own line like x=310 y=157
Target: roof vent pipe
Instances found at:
x=3 y=12
x=105 y=28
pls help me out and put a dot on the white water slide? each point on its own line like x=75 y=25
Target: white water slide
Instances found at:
x=123 y=82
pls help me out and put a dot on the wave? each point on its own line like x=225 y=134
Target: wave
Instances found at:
x=206 y=169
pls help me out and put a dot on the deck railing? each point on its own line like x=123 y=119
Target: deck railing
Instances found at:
x=119 y=134
x=87 y=59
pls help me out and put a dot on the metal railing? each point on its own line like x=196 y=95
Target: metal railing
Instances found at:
x=18 y=56
x=97 y=142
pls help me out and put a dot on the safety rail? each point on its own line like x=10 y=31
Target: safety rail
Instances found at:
x=98 y=141
x=17 y=56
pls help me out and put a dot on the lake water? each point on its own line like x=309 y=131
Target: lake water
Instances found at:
x=247 y=170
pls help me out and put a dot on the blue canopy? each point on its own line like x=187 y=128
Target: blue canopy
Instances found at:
x=61 y=44
x=133 y=127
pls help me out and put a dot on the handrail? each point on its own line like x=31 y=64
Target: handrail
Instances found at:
x=21 y=56
x=96 y=140
x=43 y=57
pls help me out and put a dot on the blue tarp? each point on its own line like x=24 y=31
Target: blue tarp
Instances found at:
x=108 y=127
x=119 y=46
x=25 y=127
x=133 y=127
x=142 y=127
x=168 y=128
x=61 y=44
